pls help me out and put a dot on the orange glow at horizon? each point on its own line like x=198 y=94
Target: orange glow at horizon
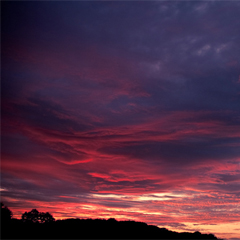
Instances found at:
x=145 y=210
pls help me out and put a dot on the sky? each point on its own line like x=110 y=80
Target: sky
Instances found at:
x=123 y=109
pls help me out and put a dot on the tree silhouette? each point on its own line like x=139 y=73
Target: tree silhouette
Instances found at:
x=37 y=217
x=32 y=216
x=46 y=217
x=6 y=214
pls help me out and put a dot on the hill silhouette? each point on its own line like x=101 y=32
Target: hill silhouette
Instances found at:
x=91 y=229
x=31 y=228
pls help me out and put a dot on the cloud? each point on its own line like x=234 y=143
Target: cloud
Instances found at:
x=133 y=117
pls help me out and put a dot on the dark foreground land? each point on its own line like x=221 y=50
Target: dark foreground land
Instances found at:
x=91 y=229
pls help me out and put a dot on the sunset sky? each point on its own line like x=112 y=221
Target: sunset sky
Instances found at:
x=123 y=109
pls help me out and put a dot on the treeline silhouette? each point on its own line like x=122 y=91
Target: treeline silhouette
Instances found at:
x=39 y=225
